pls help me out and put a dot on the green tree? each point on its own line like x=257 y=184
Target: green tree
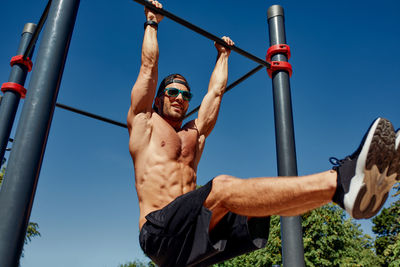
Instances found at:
x=138 y=263
x=332 y=240
x=1 y=175
x=329 y=240
x=387 y=228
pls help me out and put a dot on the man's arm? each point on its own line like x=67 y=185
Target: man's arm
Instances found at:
x=145 y=86
x=209 y=108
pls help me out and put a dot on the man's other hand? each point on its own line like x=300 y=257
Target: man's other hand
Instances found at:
x=221 y=49
x=151 y=15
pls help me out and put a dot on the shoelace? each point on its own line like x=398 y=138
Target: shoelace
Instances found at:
x=336 y=162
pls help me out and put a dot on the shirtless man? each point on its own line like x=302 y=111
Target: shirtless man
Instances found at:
x=181 y=226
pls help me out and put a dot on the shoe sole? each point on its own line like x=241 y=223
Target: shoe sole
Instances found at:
x=395 y=164
x=370 y=186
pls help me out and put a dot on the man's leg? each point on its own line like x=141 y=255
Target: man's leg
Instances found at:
x=259 y=197
x=359 y=183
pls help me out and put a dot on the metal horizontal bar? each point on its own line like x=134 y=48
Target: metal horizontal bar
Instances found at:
x=200 y=31
x=91 y=115
x=120 y=124
x=196 y=29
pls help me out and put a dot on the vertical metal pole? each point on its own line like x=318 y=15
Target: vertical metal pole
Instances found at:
x=22 y=173
x=292 y=242
x=10 y=100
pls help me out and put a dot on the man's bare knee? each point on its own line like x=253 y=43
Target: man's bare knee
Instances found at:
x=216 y=200
x=220 y=190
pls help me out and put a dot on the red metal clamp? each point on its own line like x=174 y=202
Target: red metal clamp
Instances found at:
x=14 y=87
x=20 y=60
x=279 y=48
x=279 y=65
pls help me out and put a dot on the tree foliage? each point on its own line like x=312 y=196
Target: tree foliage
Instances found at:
x=138 y=263
x=1 y=175
x=332 y=240
x=329 y=240
x=387 y=228
x=31 y=232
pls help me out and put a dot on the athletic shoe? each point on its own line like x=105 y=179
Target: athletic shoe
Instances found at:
x=395 y=165
x=392 y=176
x=363 y=183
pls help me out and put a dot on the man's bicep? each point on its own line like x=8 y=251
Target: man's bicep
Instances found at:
x=208 y=113
x=143 y=91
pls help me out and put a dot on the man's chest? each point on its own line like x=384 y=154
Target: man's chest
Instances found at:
x=180 y=146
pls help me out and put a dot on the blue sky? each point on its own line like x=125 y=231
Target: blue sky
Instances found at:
x=345 y=57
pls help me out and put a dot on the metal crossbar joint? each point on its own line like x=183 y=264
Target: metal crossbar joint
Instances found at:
x=279 y=65
x=9 y=86
x=20 y=60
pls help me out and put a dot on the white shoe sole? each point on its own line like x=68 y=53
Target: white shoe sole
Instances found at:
x=370 y=186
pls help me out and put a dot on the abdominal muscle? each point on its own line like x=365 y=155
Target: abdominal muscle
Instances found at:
x=165 y=162
x=159 y=184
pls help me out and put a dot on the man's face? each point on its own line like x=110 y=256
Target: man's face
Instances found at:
x=174 y=108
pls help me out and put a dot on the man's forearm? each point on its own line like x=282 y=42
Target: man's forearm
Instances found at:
x=209 y=108
x=219 y=77
x=144 y=88
x=150 y=48
x=150 y=43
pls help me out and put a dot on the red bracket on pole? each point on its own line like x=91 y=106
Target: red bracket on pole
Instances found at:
x=20 y=60
x=14 y=87
x=279 y=48
x=279 y=65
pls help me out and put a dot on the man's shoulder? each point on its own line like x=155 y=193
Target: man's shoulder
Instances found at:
x=140 y=127
x=141 y=118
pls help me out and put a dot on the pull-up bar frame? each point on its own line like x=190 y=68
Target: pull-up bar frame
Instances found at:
x=202 y=32
x=291 y=231
x=124 y=125
x=25 y=161
x=11 y=99
x=22 y=173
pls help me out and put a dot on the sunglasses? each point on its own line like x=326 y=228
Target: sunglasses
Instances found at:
x=174 y=92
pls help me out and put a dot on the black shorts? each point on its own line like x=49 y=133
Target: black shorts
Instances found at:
x=178 y=235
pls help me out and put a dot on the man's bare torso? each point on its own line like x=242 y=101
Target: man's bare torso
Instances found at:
x=165 y=161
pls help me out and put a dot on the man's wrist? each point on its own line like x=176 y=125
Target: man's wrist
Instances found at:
x=151 y=23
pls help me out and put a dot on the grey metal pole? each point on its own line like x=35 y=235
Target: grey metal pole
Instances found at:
x=22 y=173
x=10 y=101
x=292 y=242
